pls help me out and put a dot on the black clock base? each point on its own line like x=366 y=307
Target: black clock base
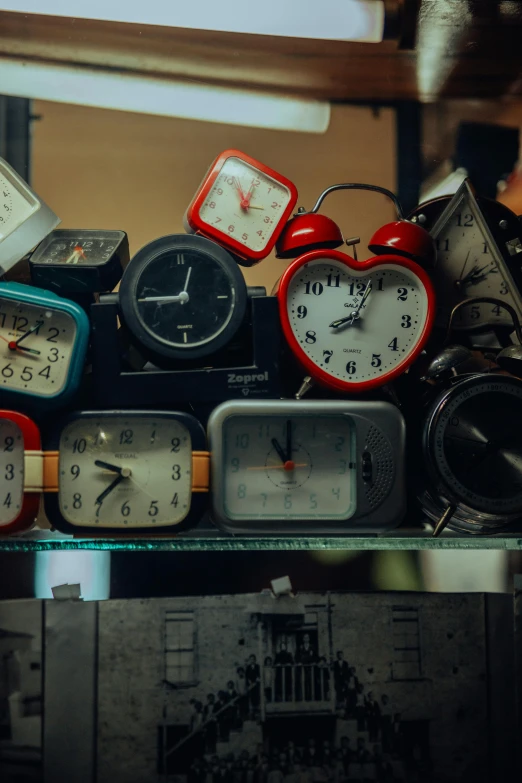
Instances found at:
x=114 y=384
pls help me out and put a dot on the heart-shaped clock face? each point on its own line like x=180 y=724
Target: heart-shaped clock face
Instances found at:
x=355 y=325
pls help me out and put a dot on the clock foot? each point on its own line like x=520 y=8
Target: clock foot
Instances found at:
x=443 y=521
x=305 y=387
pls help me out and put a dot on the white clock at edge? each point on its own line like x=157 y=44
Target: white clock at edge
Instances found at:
x=25 y=219
x=252 y=226
x=11 y=471
x=391 y=323
x=156 y=452
x=320 y=484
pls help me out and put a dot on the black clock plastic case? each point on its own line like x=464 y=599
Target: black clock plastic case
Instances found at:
x=115 y=385
x=379 y=457
x=199 y=501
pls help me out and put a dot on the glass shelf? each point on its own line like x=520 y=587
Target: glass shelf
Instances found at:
x=208 y=539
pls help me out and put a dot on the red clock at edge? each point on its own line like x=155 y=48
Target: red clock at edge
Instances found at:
x=342 y=264
x=31 y=500
x=244 y=206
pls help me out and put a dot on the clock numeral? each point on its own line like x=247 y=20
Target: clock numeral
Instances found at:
x=153 y=508
x=406 y=322
x=503 y=288
x=176 y=472
x=45 y=373
x=339 y=443
x=77 y=500
x=7 y=371
x=241 y=491
x=244 y=237
x=311 y=337
x=26 y=374
x=53 y=357
x=475 y=312
x=75 y=471
x=212 y=204
x=288 y=501
x=327 y=355
x=256 y=182
x=351 y=368
x=314 y=288
x=342 y=467
x=465 y=221
x=242 y=441
x=302 y=311
x=20 y=323
x=231 y=229
x=336 y=492
x=52 y=337
x=442 y=244
x=267 y=219
x=235 y=464
x=9 y=443
x=3 y=316
x=7 y=501
x=402 y=294
x=174 y=501
x=259 y=233
x=79 y=445
x=126 y=437
x=497 y=310
x=125 y=509
x=485 y=248
x=336 y=281
x=376 y=360
x=380 y=284
x=313 y=501
x=263 y=431
x=264 y=497
x=176 y=445
x=219 y=191
x=358 y=288
x=9 y=472
x=393 y=345
x=275 y=205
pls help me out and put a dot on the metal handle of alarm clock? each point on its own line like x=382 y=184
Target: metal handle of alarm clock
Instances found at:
x=487 y=300
x=359 y=186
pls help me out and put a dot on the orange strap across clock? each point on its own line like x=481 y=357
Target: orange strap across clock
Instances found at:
x=200 y=471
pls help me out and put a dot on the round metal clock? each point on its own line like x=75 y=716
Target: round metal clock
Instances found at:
x=355 y=325
x=182 y=298
x=127 y=470
x=473 y=449
x=243 y=205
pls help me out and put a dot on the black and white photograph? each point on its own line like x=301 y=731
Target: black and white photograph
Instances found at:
x=21 y=691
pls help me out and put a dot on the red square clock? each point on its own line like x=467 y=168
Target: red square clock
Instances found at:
x=243 y=205
x=21 y=472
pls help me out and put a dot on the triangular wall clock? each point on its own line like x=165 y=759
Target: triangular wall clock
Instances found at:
x=479 y=253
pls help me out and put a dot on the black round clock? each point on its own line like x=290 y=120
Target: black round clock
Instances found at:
x=182 y=298
x=473 y=449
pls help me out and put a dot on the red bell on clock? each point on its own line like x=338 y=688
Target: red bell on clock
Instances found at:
x=310 y=231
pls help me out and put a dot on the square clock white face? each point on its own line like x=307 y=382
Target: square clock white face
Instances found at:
x=24 y=218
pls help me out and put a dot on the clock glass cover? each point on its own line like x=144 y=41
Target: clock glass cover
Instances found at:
x=124 y=471
x=83 y=249
x=289 y=467
x=36 y=347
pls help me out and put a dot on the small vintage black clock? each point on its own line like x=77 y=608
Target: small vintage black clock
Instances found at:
x=472 y=447
x=479 y=253
x=80 y=261
x=182 y=298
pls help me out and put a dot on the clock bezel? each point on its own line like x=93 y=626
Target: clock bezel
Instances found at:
x=159 y=351
x=194 y=223
x=362 y=267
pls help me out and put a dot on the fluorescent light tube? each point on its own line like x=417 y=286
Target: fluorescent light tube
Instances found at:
x=187 y=100
x=332 y=20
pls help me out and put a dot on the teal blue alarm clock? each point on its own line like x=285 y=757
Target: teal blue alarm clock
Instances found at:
x=43 y=342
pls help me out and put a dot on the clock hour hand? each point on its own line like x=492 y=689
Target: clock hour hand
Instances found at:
x=183 y=297
x=279 y=449
x=107 y=466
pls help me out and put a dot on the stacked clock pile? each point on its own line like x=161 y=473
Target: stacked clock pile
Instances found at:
x=187 y=392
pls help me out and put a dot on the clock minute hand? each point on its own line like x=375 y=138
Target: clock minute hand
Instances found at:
x=354 y=315
x=183 y=297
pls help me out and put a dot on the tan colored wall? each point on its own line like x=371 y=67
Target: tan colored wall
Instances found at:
x=108 y=169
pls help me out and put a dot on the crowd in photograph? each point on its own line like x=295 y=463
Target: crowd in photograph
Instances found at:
x=368 y=755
